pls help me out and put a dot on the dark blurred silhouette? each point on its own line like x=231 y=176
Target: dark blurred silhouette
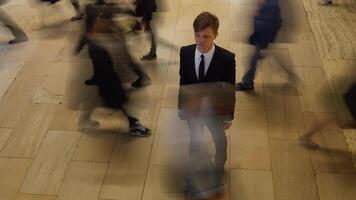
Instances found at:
x=19 y=34
x=106 y=47
x=96 y=16
x=267 y=23
x=79 y=14
x=145 y=10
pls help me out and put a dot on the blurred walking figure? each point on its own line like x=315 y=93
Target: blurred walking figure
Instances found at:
x=350 y=101
x=145 y=9
x=97 y=15
x=19 y=34
x=267 y=23
x=105 y=47
x=79 y=14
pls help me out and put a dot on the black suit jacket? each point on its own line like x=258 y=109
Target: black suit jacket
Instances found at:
x=221 y=68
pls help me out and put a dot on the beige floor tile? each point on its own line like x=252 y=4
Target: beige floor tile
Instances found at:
x=83 y=181
x=284 y=117
x=251 y=184
x=48 y=168
x=336 y=186
x=241 y=19
x=188 y=13
x=333 y=155
x=248 y=141
x=171 y=139
x=8 y=73
x=57 y=85
x=173 y=75
x=254 y=100
x=126 y=173
x=163 y=183
x=30 y=131
x=65 y=119
x=328 y=35
x=12 y=172
x=317 y=103
x=292 y=171
x=24 y=49
x=314 y=80
x=95 y=147
x=170 y=97
x=34 y=197
x=43 y=96
x=15 y=102
x=157 y=71
x=4 y=136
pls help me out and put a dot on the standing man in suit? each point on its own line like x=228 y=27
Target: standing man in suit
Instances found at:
x=205 y=62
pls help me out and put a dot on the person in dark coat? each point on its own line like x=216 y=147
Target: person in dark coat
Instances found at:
x=266 y=26
x=145 y=9
x=101 y=39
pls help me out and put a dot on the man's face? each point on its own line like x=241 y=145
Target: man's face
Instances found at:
x=205 y=38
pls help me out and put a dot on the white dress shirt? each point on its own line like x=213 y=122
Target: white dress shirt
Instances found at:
x=208 y=56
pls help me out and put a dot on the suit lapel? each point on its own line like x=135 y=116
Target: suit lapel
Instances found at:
x=192 y=64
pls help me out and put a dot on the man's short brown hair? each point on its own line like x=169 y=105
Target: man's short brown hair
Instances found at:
x=205 y=20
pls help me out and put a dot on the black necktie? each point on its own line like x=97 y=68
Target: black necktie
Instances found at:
x=201 y=68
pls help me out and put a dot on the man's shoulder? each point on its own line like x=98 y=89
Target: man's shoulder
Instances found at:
x=224 y=52
x=188 y=47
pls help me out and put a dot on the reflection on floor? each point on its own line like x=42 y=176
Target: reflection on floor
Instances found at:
x=44 y=156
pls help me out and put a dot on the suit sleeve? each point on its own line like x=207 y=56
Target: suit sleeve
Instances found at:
x=182 y=74
x=231 y=73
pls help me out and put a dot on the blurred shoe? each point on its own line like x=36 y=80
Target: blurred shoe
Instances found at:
x=18 y=40
x=149 y=56
x=77 y=17
x=240 y=87
x=100 y=2
x=91 y=81
x=325 y=2
x=141 y=82
x=139 y=130
x=308 y=143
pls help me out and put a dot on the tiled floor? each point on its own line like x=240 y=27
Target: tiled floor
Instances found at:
x=45 y=156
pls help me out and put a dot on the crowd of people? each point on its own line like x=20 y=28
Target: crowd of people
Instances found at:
x=207 y=77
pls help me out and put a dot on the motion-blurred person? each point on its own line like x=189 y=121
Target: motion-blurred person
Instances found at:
x=145 y=9
x=79 y=14
x=104 y=43
x=350 y=101
x=122 y=56
x=266 y=26
x=206 y=62
x=19 y=34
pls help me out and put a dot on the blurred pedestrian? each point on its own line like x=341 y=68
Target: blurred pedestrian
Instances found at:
x=102 y=39
x=19 y=34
